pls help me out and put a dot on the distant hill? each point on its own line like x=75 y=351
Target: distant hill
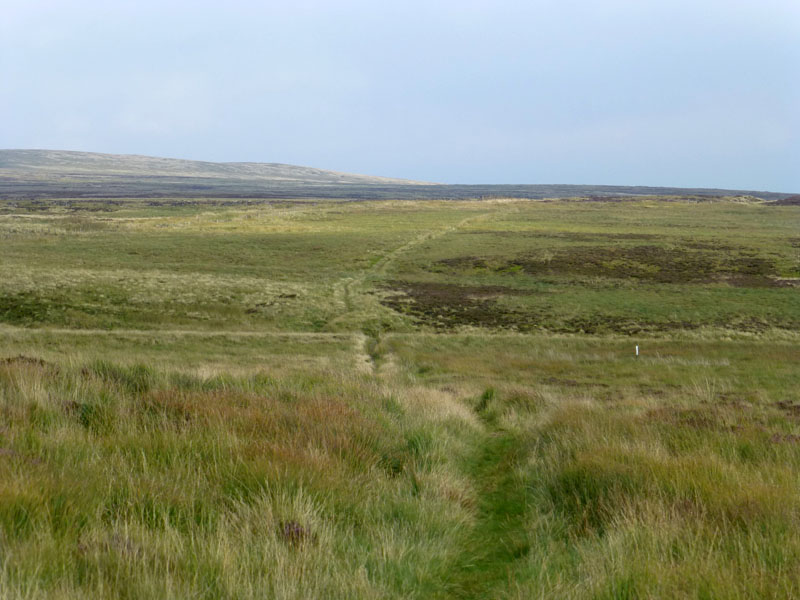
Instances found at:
x=70 y=168
x=66 y=174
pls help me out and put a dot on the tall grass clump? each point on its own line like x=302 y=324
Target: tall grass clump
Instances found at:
x=666 y=502
x=129 y=482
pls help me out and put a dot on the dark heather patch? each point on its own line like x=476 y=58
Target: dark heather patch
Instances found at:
x=448 y=306
x=654 y=264
x=598 y=323
x=790 y=201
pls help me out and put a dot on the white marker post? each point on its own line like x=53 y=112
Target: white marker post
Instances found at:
x=637 y=349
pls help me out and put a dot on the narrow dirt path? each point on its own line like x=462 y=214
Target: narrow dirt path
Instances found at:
x=364 y=360
x=499 y=539
x=380 y=266
x=347 y=293
x=498 y=543
x=347 y=290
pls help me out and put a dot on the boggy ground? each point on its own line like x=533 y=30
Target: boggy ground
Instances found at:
x=576 y=269
x=394 y=400
x=694 y=262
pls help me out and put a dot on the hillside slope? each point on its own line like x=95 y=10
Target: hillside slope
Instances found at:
x=66 y=164
x=67 y=174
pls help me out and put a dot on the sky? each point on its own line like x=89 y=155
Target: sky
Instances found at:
x=691 y=93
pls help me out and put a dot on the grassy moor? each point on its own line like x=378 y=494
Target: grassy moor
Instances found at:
x=303 y=397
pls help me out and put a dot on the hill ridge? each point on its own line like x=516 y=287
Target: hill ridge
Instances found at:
x=66 y=162
x=35 y=173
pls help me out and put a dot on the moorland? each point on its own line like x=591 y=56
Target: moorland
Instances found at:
x=311 y=398
x=64 y=174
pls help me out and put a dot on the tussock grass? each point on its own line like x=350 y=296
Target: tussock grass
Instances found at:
x=599 y=475
x=641 y=506
x=129 y=481
x=237 y=401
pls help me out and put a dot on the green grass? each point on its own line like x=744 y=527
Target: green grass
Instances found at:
x=399 y=400
x=596 y=268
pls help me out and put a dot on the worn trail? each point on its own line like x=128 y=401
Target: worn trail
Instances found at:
x=349 y=291
x=347 y=288
x=496 y=547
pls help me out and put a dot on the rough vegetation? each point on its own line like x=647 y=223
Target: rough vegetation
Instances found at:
x=394 y=400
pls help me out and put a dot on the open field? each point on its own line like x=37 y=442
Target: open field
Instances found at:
x=316 y=399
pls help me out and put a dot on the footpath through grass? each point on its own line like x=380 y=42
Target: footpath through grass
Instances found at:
x=399 y=400
x=135 y=481
x=490 y=553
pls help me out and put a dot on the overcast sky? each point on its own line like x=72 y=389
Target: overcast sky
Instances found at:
x=650 y=92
